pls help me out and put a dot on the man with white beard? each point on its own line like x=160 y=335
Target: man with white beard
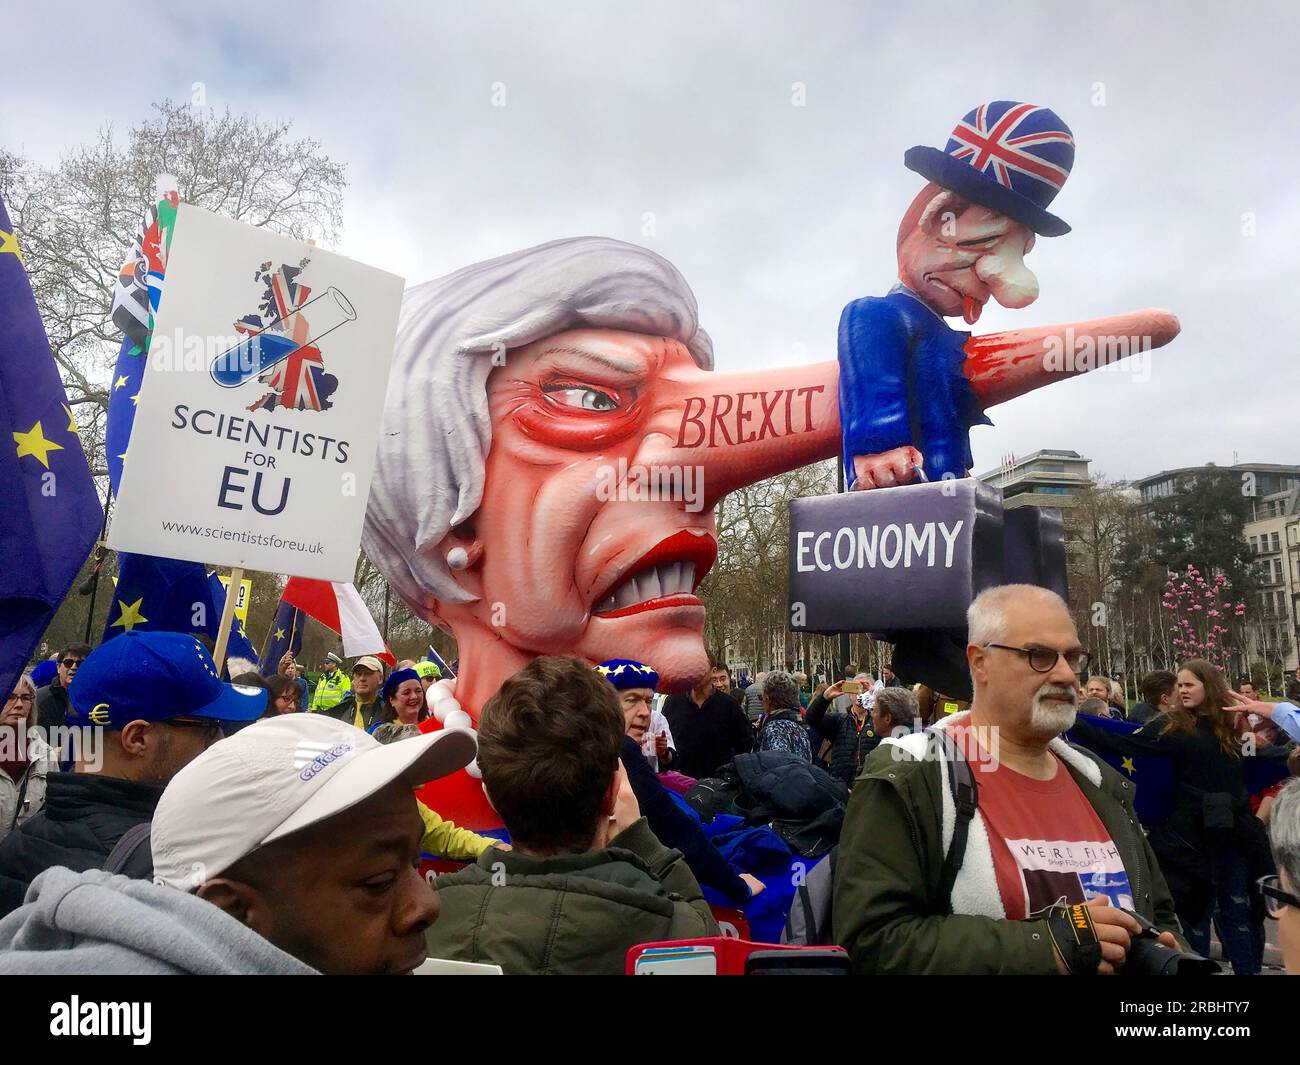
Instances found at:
x=989 y=844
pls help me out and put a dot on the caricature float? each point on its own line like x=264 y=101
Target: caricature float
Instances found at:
x=520 y=383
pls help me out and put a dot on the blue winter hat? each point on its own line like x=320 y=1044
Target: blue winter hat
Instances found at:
x=624 y=673
x=44 y=672
x=395 y=680
x=1010 y=157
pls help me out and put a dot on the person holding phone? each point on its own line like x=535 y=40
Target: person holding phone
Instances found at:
x=849 y=731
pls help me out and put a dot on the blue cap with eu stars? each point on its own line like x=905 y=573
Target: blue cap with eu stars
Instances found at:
x=624 y=673
x=153 y=676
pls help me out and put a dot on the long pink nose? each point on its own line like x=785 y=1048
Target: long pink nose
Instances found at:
x=742 y=427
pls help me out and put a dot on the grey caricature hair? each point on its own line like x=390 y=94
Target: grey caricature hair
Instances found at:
x=436 y=429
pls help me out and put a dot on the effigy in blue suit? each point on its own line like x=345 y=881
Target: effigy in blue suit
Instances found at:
x=901 y=383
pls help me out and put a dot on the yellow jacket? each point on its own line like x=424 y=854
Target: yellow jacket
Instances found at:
x=448 y=840
x=330 y=689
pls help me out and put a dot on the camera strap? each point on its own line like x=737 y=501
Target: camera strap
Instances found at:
x=1075 y=937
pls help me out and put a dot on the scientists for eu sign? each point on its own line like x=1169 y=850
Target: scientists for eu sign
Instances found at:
x=258 y=414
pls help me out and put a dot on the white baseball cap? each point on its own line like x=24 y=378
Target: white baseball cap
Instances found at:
x=277 y=776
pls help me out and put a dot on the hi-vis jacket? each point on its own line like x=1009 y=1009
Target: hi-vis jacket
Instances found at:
x=332 y=688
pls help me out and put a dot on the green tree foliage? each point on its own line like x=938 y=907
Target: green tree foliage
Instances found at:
x=1200 y=525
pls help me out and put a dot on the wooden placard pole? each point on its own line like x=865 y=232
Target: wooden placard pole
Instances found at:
x=227 y=616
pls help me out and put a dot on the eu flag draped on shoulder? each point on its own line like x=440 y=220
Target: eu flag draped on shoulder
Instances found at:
x=50 y=514
x=1138 y=758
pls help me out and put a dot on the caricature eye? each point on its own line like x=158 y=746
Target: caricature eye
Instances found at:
x=592 y=399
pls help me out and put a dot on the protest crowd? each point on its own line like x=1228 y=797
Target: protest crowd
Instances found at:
x=156 y=818
x=536 y=454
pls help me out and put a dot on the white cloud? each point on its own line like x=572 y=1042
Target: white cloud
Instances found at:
x=777 y=215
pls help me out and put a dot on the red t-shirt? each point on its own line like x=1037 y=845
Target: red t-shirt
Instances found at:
x=1048 y=842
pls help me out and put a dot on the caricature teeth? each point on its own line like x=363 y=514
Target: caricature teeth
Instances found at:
x=672 y=578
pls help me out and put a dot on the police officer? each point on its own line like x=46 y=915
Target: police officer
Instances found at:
x=333 y=685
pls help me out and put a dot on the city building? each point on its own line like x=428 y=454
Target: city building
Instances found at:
x=1047 y=478
x=1273 y=532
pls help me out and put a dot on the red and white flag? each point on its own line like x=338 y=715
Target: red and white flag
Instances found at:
x=341 y=608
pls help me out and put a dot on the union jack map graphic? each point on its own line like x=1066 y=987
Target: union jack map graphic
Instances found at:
x=298 y=381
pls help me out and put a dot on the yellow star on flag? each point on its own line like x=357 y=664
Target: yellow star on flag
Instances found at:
x=135 y=400
x=72 y=422
x=130 y=616
x=279 y=634
x=33 y=442
x=119 y=383
x=1128 y=766
x=9 y=245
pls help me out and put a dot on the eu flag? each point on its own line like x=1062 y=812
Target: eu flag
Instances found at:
x=443 y=668
x=286 y=635
x=136 y=295
x=1139 y=759
x=165 y=594
x=50 y=515
x=241 y=655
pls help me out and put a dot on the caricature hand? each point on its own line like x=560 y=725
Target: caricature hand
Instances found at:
x=886 y=469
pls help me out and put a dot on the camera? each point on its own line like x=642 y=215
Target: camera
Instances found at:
x=1149 y=957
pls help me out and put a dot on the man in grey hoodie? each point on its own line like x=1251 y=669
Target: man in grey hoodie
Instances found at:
x=290 y=847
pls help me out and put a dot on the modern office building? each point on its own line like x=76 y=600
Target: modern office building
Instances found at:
x=1047 y=478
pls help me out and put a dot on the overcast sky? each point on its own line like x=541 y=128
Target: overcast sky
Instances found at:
x=1185 y=116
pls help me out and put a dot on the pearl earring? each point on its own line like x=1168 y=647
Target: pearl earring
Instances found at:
x=457 y=558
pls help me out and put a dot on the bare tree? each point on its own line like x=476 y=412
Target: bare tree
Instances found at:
x=76 y=220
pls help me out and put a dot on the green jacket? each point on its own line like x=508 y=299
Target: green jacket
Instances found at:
x=577 y=914
x=887 y=912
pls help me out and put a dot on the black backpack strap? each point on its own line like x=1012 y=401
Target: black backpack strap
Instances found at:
x=965 y=794
x=132 y=856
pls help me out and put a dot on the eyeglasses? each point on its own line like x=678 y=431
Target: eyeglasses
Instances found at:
x=68 y=663
x=22 y=697
x=1275 y=899
x=1043 y=659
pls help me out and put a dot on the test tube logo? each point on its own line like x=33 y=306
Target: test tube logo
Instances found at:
x=269 y=347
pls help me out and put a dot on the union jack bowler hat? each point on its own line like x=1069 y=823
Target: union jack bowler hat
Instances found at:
x=1007 y=156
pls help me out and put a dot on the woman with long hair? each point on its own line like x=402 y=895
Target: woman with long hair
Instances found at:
x=25 y=758
x=1211 y=848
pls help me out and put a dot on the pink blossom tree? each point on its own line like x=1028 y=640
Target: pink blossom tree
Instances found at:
x=1199 y=612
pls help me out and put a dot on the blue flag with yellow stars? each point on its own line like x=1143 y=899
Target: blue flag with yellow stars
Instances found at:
x=50 y=514
x=167 y=595
x=238 y=648
x=1137 y=758
x=286 y=635
x=136 y=294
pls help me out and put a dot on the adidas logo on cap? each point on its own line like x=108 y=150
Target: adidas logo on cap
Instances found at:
x=311 y=758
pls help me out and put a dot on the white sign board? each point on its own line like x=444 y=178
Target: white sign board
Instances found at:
x=258 y=416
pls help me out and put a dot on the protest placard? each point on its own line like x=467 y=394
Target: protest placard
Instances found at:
x=258 y=415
